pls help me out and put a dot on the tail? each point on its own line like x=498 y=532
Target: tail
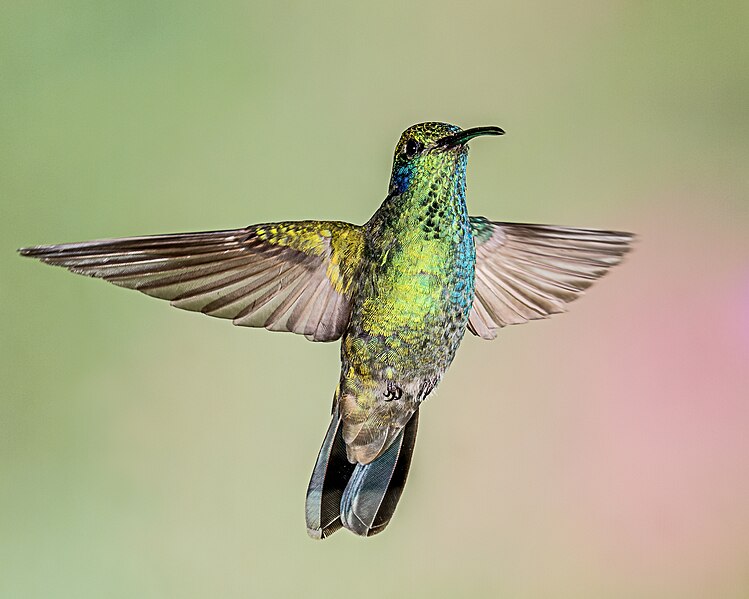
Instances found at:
x=361 y=497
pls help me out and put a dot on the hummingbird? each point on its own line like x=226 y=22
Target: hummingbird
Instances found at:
x=399 y=291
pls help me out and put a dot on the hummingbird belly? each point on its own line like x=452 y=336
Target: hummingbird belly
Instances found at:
x=408 y=323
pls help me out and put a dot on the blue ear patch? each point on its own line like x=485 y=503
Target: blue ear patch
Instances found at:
x=401 y=179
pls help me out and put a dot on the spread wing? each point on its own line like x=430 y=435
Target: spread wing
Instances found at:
x=289 y=276
x=525 y=272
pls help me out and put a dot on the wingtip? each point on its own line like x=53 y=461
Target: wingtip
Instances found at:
x=36 y=251
x=629 y=240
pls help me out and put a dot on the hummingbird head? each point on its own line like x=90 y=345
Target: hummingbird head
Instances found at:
x=431 y=150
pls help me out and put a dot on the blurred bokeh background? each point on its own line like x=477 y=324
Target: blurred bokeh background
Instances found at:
x=148 y=452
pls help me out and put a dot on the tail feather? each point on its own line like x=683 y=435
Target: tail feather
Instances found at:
x=360 y=497
x=372 y=493
x=329 y=478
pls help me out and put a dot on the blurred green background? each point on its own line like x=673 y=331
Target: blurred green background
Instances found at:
x=148 y=452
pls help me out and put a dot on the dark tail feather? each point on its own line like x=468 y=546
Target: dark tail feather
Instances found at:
x=332 y=472
x=374 y=489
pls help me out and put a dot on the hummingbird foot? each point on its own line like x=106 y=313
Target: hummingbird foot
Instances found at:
x=393 y=392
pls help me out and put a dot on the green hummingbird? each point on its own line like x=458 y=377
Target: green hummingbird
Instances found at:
x=399 y=291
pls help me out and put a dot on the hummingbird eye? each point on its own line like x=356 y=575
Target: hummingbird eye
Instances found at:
x=412 y=148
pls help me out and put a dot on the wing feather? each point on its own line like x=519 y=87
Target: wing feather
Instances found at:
x=274 y=275
x=525 y=272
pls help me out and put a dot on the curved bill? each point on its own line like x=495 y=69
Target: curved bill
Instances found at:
x=466 y=135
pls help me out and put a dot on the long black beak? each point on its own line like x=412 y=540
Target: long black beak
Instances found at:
x=466 y=135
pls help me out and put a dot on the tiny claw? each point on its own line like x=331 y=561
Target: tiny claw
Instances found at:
x=393 y=392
